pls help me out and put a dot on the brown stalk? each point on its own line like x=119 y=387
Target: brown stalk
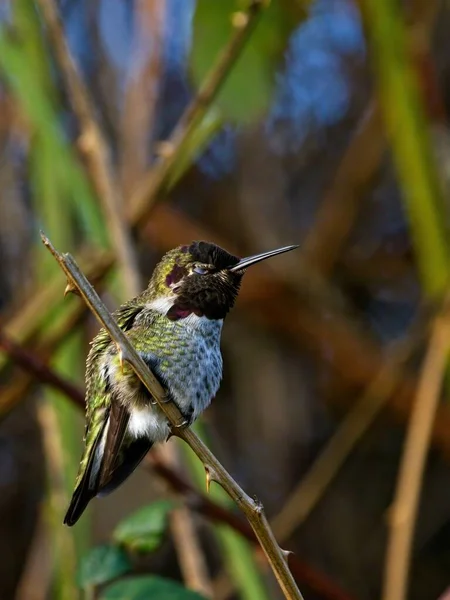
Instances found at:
x=94 y=148
x=403 y=513
x=252 y=509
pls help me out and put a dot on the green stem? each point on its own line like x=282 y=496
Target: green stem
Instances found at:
x=408 y=133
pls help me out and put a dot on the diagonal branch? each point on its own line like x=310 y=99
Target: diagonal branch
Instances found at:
x=252 y=509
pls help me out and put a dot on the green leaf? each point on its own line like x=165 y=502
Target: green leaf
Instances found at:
x=143 y=531
x=102 y=564
x=146 y=587
x=248 y=89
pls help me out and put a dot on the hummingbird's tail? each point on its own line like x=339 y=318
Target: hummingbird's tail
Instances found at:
x=88 y=482
x=80 y=499
x=89 y=486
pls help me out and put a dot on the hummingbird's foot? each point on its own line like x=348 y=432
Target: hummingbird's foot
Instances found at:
x=164 y=400
x=188 y=417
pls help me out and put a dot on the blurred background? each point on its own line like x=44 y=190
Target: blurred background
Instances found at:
x=322 y=123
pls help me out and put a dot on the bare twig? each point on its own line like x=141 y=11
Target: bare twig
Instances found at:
x=94 y=148
x=253 y=509
x=404 y=510
x=156 y=180
x=355 y=424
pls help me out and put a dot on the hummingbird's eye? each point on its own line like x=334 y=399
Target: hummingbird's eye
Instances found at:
x=200 y=270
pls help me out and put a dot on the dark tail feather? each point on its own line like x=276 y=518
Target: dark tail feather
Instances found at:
x=80 y=499
x=87 y=488
x=132 y=456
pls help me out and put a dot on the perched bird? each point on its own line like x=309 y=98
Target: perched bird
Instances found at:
x=175 y=326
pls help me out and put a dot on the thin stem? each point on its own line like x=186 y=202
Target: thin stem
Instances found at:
x=95 y=150
x=215 y=471
x=404 y=511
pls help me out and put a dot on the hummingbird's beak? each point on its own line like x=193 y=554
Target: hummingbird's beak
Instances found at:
x=244 y=263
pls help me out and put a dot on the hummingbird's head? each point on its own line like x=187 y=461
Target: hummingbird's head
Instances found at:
x=201 y=279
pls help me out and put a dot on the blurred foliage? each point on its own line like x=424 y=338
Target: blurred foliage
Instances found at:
x=102 y=564
x=142 y=531
x=312 y=80
x=248 y=91
x=143 y=588
x=409 y=134
x=139 y=533
x=57 y=177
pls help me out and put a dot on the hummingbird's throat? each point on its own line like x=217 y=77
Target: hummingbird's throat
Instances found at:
x=169 y=307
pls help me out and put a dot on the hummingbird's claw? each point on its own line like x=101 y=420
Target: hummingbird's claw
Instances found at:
x=164 y=400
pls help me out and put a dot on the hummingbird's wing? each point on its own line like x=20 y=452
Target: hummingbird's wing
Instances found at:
x=102 y=445
x=117 y=425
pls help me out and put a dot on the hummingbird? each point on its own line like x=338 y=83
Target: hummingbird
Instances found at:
x=175 y=325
